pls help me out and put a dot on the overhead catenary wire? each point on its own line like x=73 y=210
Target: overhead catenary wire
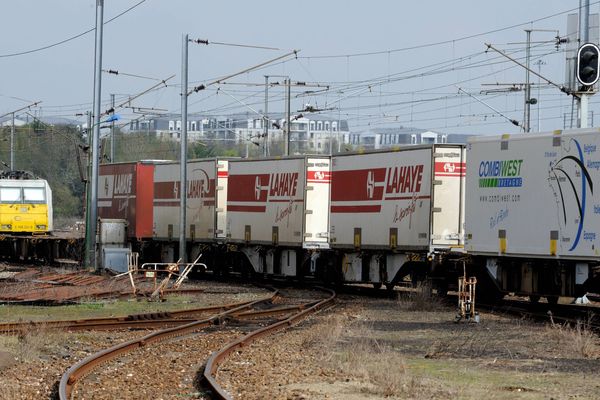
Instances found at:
x=443 y=42
x=72 y=37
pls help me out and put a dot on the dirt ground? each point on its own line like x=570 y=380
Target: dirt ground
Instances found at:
x=364 y=348
x=412 y=349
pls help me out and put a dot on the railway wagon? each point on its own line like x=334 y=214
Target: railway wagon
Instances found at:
x=391 y=211
x=276 y=210
x=533 y=211
x=25 y=206
x=126 y=191
x=205 y=205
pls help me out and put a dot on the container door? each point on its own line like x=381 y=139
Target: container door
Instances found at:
x=316 y=220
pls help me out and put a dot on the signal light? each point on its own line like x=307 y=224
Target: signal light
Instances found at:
x=588 y=64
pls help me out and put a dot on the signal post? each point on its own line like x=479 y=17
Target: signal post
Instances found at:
x=588 y=71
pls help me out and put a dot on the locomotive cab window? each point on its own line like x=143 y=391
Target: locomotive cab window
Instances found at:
x=10 y=195
x=33 y=195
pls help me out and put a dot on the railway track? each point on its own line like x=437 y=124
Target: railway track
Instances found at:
x=139 y=321
x=556 y=313
x=256 y=319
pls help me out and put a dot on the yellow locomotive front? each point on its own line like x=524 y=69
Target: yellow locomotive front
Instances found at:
x=25 y=206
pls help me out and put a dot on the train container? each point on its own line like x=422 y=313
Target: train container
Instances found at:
x=533 y=210
x=206 y=200
x=126 y=191
x=276 y=208
x=391 y=210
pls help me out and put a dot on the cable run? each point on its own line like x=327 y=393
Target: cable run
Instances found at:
x=432 y=44
x=72 y=37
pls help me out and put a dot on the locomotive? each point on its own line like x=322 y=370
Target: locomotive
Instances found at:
x=517 y=211
x=25 y=204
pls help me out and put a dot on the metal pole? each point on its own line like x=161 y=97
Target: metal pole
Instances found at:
x=96 y=135
x=12 y=144
x=539 y=124
x=339 y=126
x=266 y=119
x=584 y=15
x=585 y=23
x=183 y=155
x=527 y=118
x=112 y=131
x=583 y=110
x=88 y=237
x=288 y=128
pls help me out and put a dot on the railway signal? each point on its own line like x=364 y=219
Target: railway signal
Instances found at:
x=588 y=64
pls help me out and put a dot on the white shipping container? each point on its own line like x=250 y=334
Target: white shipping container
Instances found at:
x=534 y=195
x=202 y=196
x=267 y=199
x=408 y=199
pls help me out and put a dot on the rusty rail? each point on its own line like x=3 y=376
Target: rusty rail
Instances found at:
x=143 y=321
x=134 y=320
x=85 y=366
x=218 y=357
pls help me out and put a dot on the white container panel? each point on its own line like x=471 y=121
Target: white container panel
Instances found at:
x=448 y=196
x=377 y=196
x=265 y=201
x=318 y=183
x=201 y=197
x=534 y=195
x=221 y=195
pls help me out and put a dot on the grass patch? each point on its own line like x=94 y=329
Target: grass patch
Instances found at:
x=578 y=340
x=97 y=309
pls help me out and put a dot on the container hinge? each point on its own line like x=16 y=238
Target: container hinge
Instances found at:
x=220 y=188
x=437 y=209
x=219 y=210
x=437 y=182
x=308 y=211
x=307 y=188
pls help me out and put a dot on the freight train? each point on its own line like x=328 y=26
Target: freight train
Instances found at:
x=517 y=211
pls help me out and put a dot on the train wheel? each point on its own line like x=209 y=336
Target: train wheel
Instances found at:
x=552 y=299
x=377 y=285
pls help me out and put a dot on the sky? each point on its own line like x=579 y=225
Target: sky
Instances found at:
x=419 y=64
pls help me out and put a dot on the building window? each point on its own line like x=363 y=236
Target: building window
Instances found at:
x=171 y=125
x=326 y=126
x=319 y=126
x=334 y=126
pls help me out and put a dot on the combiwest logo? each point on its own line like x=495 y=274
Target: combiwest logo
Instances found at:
x=501 y=173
